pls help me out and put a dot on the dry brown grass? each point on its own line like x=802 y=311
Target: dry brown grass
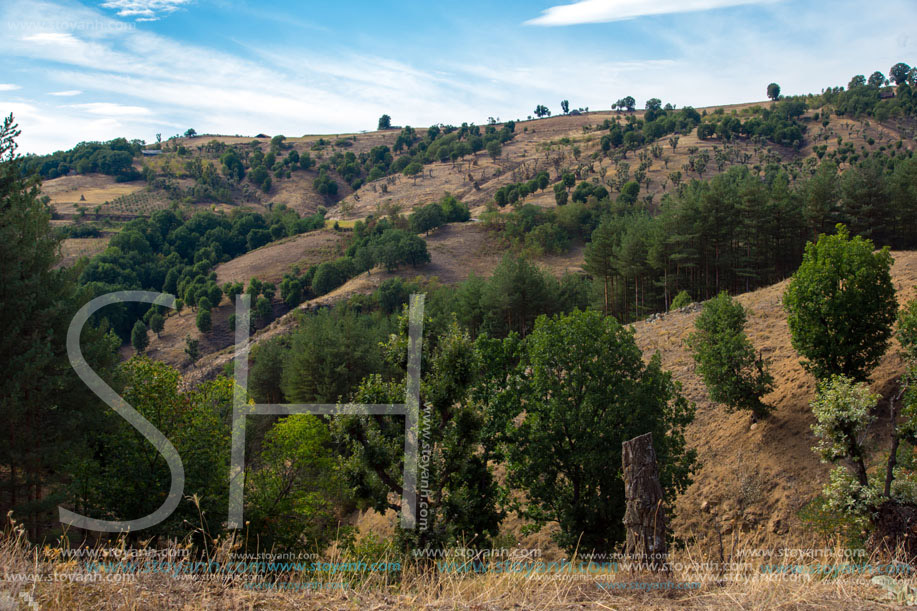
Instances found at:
x=777 y=451
x=50 y=576
x=269 y=263
x=72 y=249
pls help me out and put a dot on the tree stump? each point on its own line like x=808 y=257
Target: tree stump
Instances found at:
x=644 y=517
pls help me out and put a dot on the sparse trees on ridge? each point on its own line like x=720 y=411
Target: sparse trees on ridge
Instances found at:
x=899 y=73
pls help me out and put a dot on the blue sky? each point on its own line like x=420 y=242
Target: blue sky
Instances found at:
x=99 y=69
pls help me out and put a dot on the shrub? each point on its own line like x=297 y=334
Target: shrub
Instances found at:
x=734 y=374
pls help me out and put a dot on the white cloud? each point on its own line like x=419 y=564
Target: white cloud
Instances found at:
x=145 y=10
x=152 y=83
x=601 y=11
x=52 y=38
x=67 y=93
x=112 y=110
x=9 y=87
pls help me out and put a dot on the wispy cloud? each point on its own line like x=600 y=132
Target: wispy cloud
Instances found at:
x=145 y=10
x=111 y=109
x=51 y=38
x=601 y=11
x=9 y=87
x=66 y=94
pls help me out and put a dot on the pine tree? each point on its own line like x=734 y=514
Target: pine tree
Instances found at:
x=46 y=409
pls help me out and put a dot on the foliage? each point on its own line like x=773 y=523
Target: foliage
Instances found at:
x=773 y=91
x=733 y=372
x=139 y=338
x=331 y=351
x=114 y=158
x=841 y=306
x=681 y=300
x=458 y=496
x=126 y=477
x=47 y=410
x=585 y=389
x=295 y=492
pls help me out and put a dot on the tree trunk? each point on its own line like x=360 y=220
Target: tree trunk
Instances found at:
x=644 y=517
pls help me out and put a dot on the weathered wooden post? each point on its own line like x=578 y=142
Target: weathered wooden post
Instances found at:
x=644 y=517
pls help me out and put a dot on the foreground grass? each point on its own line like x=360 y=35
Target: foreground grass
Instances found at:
x=55 y=578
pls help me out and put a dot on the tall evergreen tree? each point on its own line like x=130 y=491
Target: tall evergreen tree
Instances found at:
x=45 y=408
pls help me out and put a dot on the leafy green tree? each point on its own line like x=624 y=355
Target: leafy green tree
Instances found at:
x=262 y=311
x=735 y=375
x=876 y=79
x=139 y=338
x=843 y=410
x=542 y=111
x=157 y=322
x=385 y=122
x=190 y=132
x=515 y=295
x=856 y=82
x=204 y=321
x=899 y=73
x=192 y=349
x=773 y=91
x=560 y=194
x=841 y=306
x=627 y=103
x=412 y=170
x=427 y=218
x=581 y=388
x=494 y=149
x=295 y=493
x=126 y=477
x=565 y=106
x=328 y=277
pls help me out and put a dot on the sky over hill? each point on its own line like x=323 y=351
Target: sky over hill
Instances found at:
x=94 y=70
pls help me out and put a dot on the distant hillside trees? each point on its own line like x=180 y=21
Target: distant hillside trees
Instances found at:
x=627 y=103
x=899 y=73
x=385 y=122
x=876 y=80
x=436 y=214
x=114 y=158
x=866 y=97
x=169 y=253
x=735 y=375
x=542 y=111
x=841 y=306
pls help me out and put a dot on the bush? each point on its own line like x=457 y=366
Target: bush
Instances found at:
x=681 y=300
x=204 y=321
x=734 y=374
